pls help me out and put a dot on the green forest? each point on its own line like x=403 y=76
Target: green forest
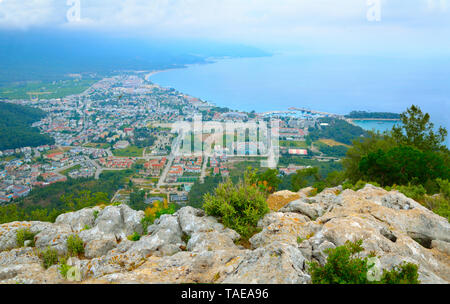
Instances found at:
x=338 y=130
x=15 y=127
x=372 y=115
x=45 y=204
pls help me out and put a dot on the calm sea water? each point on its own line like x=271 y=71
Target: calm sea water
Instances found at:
x=377 y=125
x=337 y=84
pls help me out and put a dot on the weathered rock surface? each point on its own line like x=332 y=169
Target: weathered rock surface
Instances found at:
x=190 y=247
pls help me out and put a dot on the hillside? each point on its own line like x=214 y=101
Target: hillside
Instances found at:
x=15 y=127
x=189 y=247
x=372 y=115
x=337 y=129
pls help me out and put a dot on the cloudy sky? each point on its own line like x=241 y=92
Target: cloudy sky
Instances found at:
x=419 y=25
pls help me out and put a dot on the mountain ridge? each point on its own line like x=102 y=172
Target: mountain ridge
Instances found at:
x=190 y=247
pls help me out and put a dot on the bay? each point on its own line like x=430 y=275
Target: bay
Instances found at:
x=330 y=83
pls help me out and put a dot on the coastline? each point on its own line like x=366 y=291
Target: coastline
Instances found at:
x=373 y=119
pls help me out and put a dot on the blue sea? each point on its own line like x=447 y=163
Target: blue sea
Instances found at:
x=331 y=83
x=377 y=125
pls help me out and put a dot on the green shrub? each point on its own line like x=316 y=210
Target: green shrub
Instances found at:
x=134 y=237
x=319 y=186
x=23 y=235
x=439 y=205
x=75 y=245
x=63 y=267
x=96 y=212
x=86 y=227
x=49 y=257
x=185 y=238
x=416 y=192
x=347 y=185
x=342 y=267
x=147 y=221
x=405 y=273
x=358 y=186
x=239 y=206
x=345 y=266
x=444 y=187
x=156 y=211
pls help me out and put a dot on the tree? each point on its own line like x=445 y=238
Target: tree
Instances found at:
x=361 y=148
x=268 y=180
x=403 y=165
x=303 y=177
x=417 y=130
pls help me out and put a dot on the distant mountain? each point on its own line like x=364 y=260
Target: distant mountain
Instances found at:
x=48 y=56
x=15 y=129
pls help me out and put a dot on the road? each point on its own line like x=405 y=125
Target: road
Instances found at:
x=59 y=170
x=174 y=152
x=204 y=167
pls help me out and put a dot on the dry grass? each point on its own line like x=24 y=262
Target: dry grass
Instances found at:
x=280 y=199
x=333 y=143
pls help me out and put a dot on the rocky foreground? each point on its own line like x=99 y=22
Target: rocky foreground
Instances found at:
x=189 y=247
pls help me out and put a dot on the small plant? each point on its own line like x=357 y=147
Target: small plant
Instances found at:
x=156 y=211
x=299 y=240
x=416 y=192
x=146 y=222
x=23 y=235
x=345 y=266
x=75 y=245
x=49 y=257
x=405 y=273
x=310 y=235
x=185 y=238
x=216 y=277
x=96 y=212
x=63 y=267
x=239 y=206
x=86 y=227
x=134 y=237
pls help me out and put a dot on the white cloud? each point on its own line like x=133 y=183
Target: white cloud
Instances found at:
x=259 y=21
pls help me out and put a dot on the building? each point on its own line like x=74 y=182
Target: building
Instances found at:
x=57 y=156
x=154 y=199
x=298 y=152
x=178 y=197
x=176 y=171
x=122 y=144
x=155 y=165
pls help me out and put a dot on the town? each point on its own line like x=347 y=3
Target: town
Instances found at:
x=126 y=122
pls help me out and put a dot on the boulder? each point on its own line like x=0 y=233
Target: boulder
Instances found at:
x=277 y=263
x=164 y=238
x=98 y=248
x=190 y=247
x=8 y=232
x=78 y=220
x=300 y=206
x=54 y=236
x=209 y=241
x=120 y=221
